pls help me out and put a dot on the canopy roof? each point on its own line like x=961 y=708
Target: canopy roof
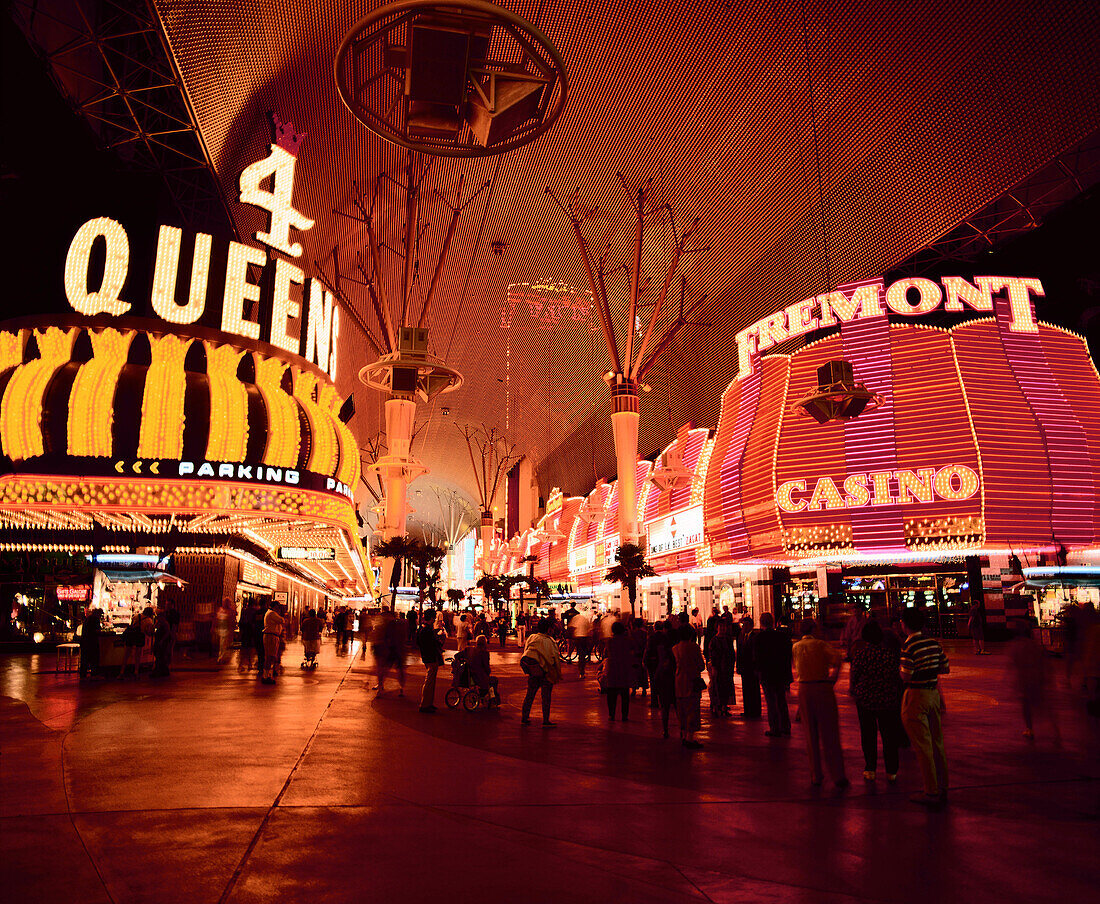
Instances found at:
x=819 y=143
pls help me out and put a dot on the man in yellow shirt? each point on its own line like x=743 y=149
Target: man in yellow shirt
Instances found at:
x=817 y=667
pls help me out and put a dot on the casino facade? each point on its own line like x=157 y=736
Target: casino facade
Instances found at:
x=227 y=454
x=979 y=457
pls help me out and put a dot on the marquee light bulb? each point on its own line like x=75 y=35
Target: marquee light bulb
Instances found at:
x=238 y=289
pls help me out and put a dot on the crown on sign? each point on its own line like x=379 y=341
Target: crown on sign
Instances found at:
x=285 y=135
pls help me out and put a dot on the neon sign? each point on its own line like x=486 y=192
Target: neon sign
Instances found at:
x=683 y=530
x=872 y=301
x=311 y=553
x=293 y=297
x=953 y=483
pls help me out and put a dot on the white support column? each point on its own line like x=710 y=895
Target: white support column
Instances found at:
x=624 y=427
x=488 y=529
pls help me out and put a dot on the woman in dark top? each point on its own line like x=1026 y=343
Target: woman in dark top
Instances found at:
x=720 y=663
x=876 y=686
x=618 y=670
x=89 y=644
x=664 y=675
x=134 y=640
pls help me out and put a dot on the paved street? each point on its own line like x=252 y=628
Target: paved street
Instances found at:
x=211 y=787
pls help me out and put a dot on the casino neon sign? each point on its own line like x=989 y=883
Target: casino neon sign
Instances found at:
x=910 y=297
x=289 y=297
x=953 y=483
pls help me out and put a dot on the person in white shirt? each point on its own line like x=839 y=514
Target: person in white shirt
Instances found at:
x=465 y=632
x=581 y=627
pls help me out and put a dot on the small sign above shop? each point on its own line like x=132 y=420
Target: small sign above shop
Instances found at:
x=314 y=553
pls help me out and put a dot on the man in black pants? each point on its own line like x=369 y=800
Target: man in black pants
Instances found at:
x=431 y=654
x=746 y=668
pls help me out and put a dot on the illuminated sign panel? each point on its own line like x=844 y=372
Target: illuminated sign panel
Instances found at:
x=592 y=556
x=313 y=553
x=317 y=327
x=681 y=531
x=988 y=437
x=288 y=296
x=872 y=301
x=953 y=483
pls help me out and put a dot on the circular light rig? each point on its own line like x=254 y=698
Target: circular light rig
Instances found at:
x=453 y=78
x=411 y=372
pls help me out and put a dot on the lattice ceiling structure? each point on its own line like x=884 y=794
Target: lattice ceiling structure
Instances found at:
x=788 y=126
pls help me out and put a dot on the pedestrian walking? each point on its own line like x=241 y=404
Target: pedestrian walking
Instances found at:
x=1031 y=678
x=430 y=642
x=465 y=632
x=580 y=625
x=311 y=627
x=689 y=684
x=746 y=668
x=721 y=657
x=89 y=643
x=225 y=623
x=922 y=707
x=975 y=626
x=853 y=629
x=618 y=669
x=162 y=644
x=651 y=660
x=664 y=675
x=390 y=651
x=272 y=639
x=817 y=665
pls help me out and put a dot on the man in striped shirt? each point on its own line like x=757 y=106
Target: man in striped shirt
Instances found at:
x=922 y=707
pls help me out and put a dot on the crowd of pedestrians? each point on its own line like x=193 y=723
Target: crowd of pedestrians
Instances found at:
x=894 y=672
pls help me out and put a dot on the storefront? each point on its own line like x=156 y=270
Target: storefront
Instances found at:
x=227 y=454
x=179 y=398
x=978 y=448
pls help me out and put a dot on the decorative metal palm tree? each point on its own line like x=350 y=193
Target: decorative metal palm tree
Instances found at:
x=492 y=457
x=396 y=550
x=398 y=330
x=629 y=369
x=631 y=567
x=458 y=520
x=492 y=585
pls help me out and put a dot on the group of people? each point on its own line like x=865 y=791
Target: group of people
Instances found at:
x=151 y=629
x=893 y=678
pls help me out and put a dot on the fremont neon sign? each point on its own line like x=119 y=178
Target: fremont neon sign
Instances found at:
x=953 y=483
x=871 y=301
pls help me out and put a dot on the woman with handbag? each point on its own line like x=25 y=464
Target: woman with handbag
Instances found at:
x=689 y=685
x=540 y=662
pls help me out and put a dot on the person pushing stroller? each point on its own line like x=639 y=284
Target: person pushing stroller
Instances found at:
x=311 y=629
